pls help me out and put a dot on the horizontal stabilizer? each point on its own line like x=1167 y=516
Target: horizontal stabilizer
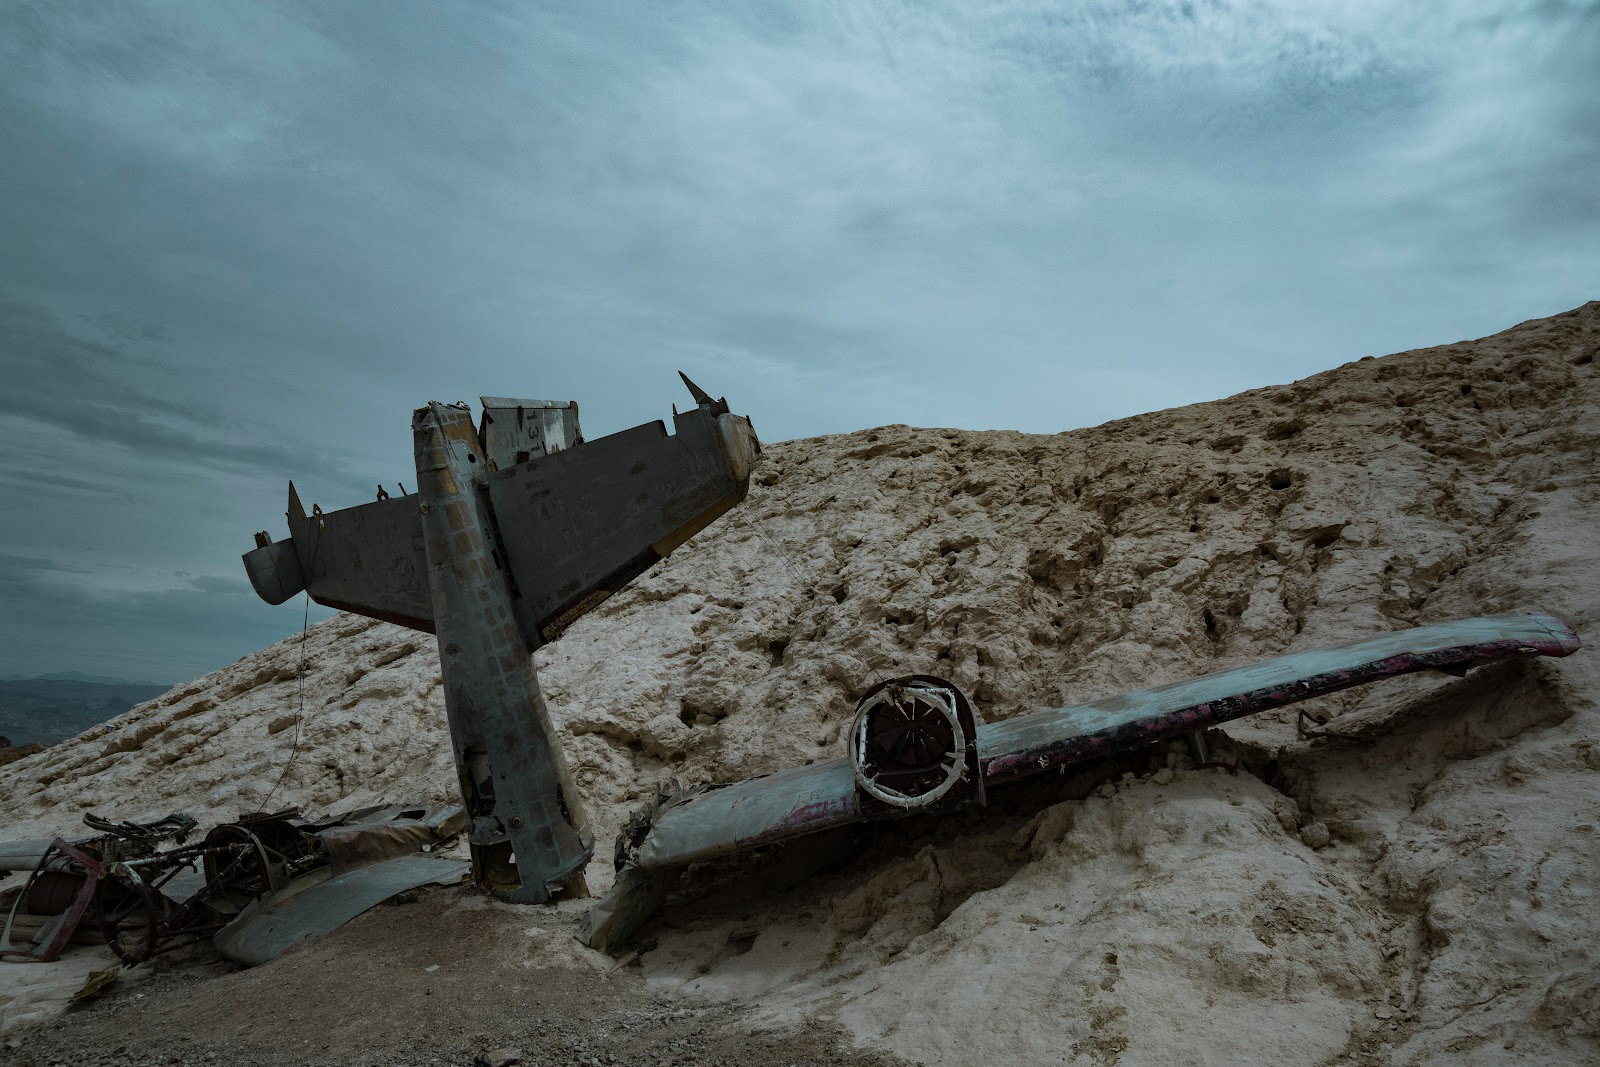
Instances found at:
x=575 y=521
x=579 y=525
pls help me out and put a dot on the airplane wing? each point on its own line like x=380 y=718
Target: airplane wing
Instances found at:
x=580 y=524
x=804 y=800
x=700 y=824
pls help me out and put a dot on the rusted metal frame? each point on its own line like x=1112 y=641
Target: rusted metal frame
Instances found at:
x=1023 y=763
x=68 y=924
x=181 y=923
x=526 y=828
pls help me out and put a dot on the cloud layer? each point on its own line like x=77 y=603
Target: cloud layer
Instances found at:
x=245 y=240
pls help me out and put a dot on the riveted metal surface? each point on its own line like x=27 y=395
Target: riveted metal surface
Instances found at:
x=519 y=797
x=578 y=525
x=804 y=800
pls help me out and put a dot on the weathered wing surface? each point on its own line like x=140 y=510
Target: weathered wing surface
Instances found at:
x=587 y=520
x=270 y=926
x=807 y=799
x=576 y=524
x=368 y=559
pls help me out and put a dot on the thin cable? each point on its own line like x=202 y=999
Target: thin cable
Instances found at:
x=300 y=713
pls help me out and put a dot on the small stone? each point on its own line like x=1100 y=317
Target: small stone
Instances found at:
x=1163 y=776
x=1316 y=835
x=1383 y=1013
x=500 y=1057
x=1105 y=789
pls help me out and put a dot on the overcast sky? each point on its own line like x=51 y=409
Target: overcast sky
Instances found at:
x=241 y=241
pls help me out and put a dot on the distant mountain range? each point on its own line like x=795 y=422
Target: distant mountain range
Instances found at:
x=74 y=676
x=54 y=707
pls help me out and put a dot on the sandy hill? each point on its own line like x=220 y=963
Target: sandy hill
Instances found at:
x=1451 y=916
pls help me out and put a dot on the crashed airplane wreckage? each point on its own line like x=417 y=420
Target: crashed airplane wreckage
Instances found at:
x=917 y=745
x=518 y=527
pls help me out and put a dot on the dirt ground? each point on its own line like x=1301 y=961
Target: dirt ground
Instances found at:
x=375 y=995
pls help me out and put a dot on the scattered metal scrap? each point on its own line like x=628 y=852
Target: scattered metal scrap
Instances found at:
x=916 y=745
x=144 y=899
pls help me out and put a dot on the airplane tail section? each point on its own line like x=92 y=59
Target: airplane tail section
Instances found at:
x=573 y=521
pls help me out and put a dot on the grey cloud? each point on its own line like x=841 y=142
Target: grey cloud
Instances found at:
x=156 y=634
x=92 y=389
x=247 y=239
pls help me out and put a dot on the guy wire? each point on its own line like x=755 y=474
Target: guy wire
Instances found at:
x=300 y=712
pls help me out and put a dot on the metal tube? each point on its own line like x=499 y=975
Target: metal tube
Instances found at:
x=526 y=826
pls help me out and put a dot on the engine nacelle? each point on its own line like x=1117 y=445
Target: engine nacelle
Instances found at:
x=914 y=747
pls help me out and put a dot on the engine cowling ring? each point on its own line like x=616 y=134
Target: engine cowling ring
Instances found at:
x=913 y=744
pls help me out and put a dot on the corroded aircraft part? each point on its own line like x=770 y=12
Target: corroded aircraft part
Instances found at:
x=579 y=525
x=706 y=823
x=513 y=534
x=913 y=746
x=274 y=571
x=273 y=924
x=514 y=431
x=526 y=827
x=577 y=522
x=259 y=884
x=1057 y=737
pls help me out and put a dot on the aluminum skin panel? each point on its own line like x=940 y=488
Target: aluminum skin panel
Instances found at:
x=274 y=924
x=804 y=800
x=368 y=559
x=579 y=524
x=274 y=571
